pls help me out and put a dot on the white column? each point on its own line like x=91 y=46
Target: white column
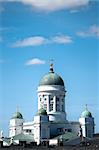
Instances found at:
x=54 y=102
x=48 y=103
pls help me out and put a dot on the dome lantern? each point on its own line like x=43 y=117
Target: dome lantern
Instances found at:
x=51 y=68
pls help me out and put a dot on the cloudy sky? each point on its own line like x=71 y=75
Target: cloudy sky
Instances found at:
x=32 y=32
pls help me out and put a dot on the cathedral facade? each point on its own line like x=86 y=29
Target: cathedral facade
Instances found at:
x=50 y=121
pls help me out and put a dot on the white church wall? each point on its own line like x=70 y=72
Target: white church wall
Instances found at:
x=87 y=125
x=45 y=93
x=53 y=88
x=28 y=127
x=52 y=99
x=57 y=116
x=14 y=122
x=43 y=118
x=15 y=127
x=37 y=133
x=41 y=128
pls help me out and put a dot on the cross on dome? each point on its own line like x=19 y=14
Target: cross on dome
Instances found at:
x=86 y=107
x=51 y=66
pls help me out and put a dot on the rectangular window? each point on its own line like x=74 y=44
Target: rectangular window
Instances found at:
x=57 y=104
x=28 y=131
x=51 y=107
x=45 y=106
x=51 y=104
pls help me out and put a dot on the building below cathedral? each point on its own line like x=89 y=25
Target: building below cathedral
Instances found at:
x=50 y=122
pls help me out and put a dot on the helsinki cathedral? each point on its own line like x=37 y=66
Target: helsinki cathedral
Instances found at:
x=50 y=120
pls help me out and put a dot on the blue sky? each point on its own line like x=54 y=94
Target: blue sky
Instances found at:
x=32 y=33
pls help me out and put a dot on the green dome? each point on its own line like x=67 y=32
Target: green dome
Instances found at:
x=51 y=79
x=17 y=115
x=86 y=114
x=41 y=111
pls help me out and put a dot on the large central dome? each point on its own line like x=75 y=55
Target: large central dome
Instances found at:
x=51 y=78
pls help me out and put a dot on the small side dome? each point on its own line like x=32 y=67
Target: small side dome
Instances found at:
x=17 y=115
x=86 y=113
x=42 y=111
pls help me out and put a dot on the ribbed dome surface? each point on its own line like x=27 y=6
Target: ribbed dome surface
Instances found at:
x=51 y=79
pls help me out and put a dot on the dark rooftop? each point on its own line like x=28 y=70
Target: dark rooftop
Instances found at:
x=93 y=144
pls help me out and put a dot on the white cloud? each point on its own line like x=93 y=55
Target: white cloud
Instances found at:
x=40 y=40
x=35 y=61
x=92 y=31
x=52 y=5
x=30 y=41
x=62 y=39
